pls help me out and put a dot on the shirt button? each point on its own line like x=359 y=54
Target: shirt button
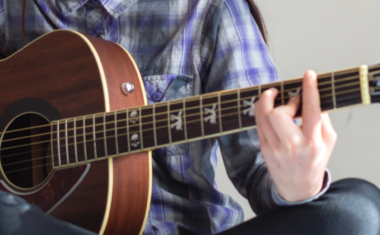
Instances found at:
x=157 y=96
x=95 y=2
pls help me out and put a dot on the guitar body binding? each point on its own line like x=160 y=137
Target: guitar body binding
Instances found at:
x=61 y=75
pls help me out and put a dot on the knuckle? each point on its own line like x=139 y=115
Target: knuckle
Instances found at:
x=266 y=94
x=276 y=112
x=313 y=147
x=269 y=93
x=318 y=151
x=295 y=141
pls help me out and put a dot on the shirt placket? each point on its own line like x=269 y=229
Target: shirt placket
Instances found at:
x=95 y=18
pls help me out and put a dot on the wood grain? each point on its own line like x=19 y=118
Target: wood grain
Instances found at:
x=130 y=189
x=61 y=69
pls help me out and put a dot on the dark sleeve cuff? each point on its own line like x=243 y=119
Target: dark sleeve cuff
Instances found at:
x=282 y=202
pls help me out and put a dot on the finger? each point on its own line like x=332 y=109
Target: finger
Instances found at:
x=263 y=140
x=311 y=106
x=328 y=133
x=264 y=106
x=281 y=119
x=290 y=109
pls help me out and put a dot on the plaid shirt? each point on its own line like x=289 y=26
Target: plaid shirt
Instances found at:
x=182 y=48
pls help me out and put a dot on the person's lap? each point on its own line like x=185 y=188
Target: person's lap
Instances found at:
x=349 y=207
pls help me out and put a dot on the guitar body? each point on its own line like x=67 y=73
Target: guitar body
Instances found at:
x=61 y=75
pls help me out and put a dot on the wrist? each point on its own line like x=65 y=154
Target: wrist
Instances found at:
x=300 y=191
x=279 y=200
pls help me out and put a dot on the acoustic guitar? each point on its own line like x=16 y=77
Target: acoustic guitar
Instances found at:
x=76 y=132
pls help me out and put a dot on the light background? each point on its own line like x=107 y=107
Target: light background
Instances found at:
x=327 y=35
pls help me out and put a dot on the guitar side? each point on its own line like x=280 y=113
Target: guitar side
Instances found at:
x=132 y=174
x=79 y=75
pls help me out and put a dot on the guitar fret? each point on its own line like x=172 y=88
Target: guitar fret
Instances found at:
x=105 y=135
x=247 y=106
x=347 y=88
x=338 y=89
x=324 y=88
x=239 y=109
x=201 y=112
x=148 y=127
x=58 y=145
x=75 y=140
x=210 y=115
x=67 y=143
x=140 y=125
x=259 y=91
x=121 y=132
x=135 y=129
x=161 y=122
x=282 y=92
x=176 y=122
x=169 y=131
x=129 y=137
x=94 y=136
x=52 y=144
x=184 y=118
x=293 y=89
x=154 y=125
x=84 y=138
x=220 y=114
x=116 y=135
x=229 y=110
x=193 y=121
x=333 y=89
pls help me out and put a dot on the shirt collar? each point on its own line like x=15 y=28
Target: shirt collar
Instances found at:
x=113 y=7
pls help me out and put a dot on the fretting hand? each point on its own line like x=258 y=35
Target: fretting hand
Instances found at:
x=296 y=156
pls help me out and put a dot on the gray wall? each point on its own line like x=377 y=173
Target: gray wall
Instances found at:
x=327 y=35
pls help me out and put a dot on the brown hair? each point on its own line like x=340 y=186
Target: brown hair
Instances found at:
x=252 y=7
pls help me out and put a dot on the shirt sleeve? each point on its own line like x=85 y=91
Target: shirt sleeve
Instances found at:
x=241 y=58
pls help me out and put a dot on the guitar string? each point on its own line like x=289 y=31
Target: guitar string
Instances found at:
x=62 y=157
x=189 y=99
x=71 y=137
x=106 y=137
x=49 y=156
x=113 y=122
x=249 y=89
x=137 y=125
x=278 y=98
x=70 y=161
x=48 y=164
x=162 y=120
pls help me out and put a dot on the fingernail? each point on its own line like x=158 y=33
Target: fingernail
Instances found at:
x=295 y=100
x=311 y=74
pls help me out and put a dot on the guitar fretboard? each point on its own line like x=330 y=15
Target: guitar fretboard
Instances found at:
x=99 y=136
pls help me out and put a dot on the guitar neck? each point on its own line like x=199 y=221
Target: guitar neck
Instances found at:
x=90 y=138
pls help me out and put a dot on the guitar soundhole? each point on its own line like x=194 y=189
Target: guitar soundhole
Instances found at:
x=25 y=151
